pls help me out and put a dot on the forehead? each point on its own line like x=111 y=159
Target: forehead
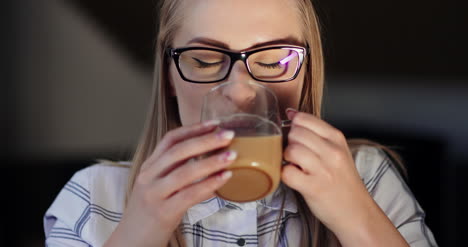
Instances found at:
x=238 y=23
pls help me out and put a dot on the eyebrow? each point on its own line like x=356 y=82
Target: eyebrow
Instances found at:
x=211 y=42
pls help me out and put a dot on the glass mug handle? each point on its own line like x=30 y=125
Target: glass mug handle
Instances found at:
x=286 y=123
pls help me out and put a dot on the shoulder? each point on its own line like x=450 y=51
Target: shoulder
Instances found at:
x=108 y=183
x=100 y=181
x=390 y=191
x=91 y=201
x=372 y=163
x=383 y=180
x=101 y=184
x=104 y=175
x=110 y=168
x=368 y=159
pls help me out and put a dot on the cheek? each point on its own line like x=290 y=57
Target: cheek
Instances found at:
x=190 y=103
x=288 y=93
x=189 y=97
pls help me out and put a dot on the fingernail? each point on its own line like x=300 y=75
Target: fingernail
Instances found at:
x=226 y=134
x=226 y=175
x=211 y=123
x=228 y=156
x=291 y=112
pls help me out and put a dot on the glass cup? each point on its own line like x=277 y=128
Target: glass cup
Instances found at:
x=251 y=111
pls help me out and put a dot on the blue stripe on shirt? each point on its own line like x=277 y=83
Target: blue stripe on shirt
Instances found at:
x=98 y=212
x=232 y=206
x=219 y=240
x=77 y=189
x=208 y=201
x=186 y=226
x=375 y=180
x=271 y=224
x=199 y=231
x=93 y=208
x=75 y=193
x=107 y=211
x=79 y=185
x=82 y=220
x=381 y=166
x=275 y=227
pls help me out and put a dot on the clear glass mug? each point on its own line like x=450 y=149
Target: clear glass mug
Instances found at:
x=251 y=111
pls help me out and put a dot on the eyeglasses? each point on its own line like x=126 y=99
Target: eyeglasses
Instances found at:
x=208 y=65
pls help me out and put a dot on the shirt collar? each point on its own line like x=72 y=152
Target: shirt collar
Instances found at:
x=214 y=204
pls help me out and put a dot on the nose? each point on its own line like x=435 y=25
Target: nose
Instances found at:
x=239 y=90
x=239 y=73
x=241 y=94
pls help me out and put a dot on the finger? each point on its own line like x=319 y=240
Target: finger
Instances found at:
x=191 y=172
x=191 y=148
x=290 y=113
x=308 y=138
x=319 y=126
x=293 y=177
x=199 y=191
x=184 y=132
x=302 y=156
x=174 y=136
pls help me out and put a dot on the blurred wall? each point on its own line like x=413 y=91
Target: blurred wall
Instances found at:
x=76 y=93
x=422 y=106
x=70 y=95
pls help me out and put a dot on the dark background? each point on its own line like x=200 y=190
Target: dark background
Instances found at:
x=76 y=77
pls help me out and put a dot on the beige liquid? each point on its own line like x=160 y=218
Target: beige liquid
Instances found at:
x=256 y=171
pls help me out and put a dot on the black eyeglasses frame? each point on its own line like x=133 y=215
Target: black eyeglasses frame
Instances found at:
x=234 y=56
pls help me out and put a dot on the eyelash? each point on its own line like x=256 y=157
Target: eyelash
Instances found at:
x=270 y=65
x=202 y=64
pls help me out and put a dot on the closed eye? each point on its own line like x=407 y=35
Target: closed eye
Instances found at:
x=276 y=65
x=202 y=64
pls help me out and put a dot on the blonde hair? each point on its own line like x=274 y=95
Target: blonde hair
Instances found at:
x=164 y=116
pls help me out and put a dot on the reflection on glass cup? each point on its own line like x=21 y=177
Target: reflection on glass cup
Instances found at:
x=251 y=111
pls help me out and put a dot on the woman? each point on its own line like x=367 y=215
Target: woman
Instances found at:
x=334 y=194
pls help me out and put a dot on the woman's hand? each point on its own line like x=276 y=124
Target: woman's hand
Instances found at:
x=170 y=182
x=322 y=169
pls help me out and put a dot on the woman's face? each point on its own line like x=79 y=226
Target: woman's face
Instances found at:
x=237 y=26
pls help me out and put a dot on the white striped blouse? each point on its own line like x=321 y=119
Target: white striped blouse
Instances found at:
x=90 y=206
